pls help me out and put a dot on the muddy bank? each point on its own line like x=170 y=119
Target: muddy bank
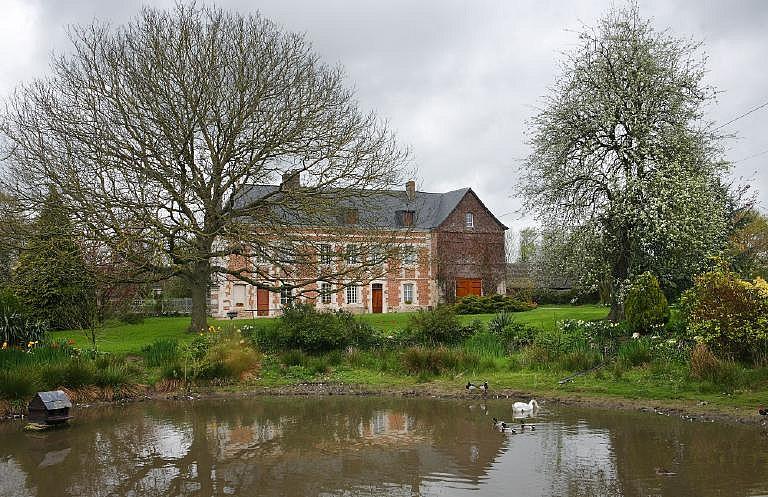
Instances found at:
x=687 y=410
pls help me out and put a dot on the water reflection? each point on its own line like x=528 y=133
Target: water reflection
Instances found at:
x=374 y=446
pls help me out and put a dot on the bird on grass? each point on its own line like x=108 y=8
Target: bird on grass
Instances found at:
x=472 y=387
x=762 y=411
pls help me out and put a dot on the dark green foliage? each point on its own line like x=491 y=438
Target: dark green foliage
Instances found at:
x=437 y=326
x=131 y=317
x=9 y=302
x=635 y=352
x=435 y=361
x=512 y=334
x=51 y=279
x=161 y=353
x=580 y=358
x=16 y=384
x=302 y=327
x=18 y=330
x=645 y=307
x=485 y=344
x=487 y=304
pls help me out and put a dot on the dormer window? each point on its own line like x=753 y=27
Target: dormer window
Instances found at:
x=350 y=216
x=469 y=220
x=408 y=218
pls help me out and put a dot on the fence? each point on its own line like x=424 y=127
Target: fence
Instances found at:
x=162 y=307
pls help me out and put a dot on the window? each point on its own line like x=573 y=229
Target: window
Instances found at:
x=259 y=256
x=286 y=295
x=325 y=293
x=408 y=293
x=353 y=256
x=238 y=294
x=286 y=252
x=325 y=253
x=352 y=294
x=409 y=256
x=469 y=220
x=408 y=218
x=350 y=216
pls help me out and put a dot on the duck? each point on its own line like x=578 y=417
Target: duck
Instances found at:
x=762 y=411
x=532 y=405
x=665 y=472
x=472 y=387
x=505 y=428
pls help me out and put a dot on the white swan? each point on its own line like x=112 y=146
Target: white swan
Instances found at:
x=532 y=405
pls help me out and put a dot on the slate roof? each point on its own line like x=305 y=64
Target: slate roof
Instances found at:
x=55 y=399
x=381 y=209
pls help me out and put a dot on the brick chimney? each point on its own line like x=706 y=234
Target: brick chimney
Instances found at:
x=291 y=180
x=410 y=189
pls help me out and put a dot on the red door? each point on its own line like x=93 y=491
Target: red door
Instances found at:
x=262 y=302
x=468 y=286
x=376 y=298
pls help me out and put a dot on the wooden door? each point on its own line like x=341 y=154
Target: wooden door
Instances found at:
x=468 y=286
x=376 y=298
x=262 y=302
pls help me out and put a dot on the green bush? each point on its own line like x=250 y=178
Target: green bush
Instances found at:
x=486 y=345
x=17 y=384
x=436 y=327
x=473 y=304
x=645 y=307
x=635 y=352
x=113 y=374
x=727 y=313
x=303 y=327
x=434 y=361
x=161 y=352
x=18 y=330
x=512 y=334
x=580 y=358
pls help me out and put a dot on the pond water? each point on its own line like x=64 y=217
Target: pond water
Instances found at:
x=344 y=446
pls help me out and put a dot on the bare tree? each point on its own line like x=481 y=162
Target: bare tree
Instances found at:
x=155 y=133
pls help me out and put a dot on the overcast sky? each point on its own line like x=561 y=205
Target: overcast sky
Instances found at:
x=456 y=80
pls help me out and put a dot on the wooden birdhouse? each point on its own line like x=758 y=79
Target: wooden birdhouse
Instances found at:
x=49 y=408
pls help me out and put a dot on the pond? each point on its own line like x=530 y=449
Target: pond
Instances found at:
x=345 y=446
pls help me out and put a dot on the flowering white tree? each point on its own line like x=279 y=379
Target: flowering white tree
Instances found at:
x=624 y=167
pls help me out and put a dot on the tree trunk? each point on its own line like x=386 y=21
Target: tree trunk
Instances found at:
x=200 y=291
x=620 y=273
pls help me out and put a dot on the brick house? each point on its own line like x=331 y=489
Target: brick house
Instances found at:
x=455 y=248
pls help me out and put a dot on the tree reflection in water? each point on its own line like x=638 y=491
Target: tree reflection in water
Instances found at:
x=372 y=446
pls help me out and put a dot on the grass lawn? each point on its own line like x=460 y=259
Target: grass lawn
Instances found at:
x=130 y=338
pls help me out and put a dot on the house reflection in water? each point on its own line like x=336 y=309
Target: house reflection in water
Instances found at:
x=370 y=446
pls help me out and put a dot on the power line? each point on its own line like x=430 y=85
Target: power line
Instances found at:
x=742 y=115
x=751 y=156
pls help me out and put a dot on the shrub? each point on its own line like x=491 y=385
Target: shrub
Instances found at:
x=635 y=352
x=113 y=374
x=18 y=330
x=131 y=317
x=486 y=345
x=228 y=359
x=579 y=358
x=161 y=352
x=473 y=304
x=512 y=334
x=703 y=362
x=16 y=384
x=293 y=357
x=434 y=361
x=303 y=327
x=730 y=315
x=645 y=306
x=437 y=326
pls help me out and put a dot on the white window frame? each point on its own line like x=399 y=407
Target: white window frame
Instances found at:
x=352 y=253
x=286 y=295
x=353 y=294
x=326 y=256
x=236 y=298
x=469 y=220
x=412 y=288
x=325 y=293
x=410 y=255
